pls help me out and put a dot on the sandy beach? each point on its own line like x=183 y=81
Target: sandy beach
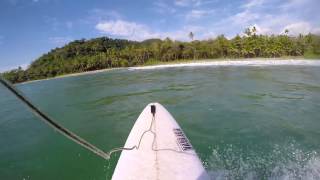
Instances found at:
x=251 y=62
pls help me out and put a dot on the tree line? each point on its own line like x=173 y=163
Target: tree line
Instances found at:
x=100 y=53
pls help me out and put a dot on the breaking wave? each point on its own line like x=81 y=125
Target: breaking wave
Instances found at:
x=252 y=62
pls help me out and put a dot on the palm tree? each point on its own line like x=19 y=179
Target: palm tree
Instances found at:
x=247 y=31
x=191 y=35
x=286 y=31
x=254 y=30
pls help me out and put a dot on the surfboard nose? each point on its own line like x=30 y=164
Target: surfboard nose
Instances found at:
x=157 y=104
x=153 y=107
x=162 y=150
x=154 y=103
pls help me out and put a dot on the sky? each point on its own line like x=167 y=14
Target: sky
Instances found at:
x=30 y=28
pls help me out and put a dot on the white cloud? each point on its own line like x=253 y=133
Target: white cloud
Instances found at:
x=4 y=68
x=253 y=3
x=125 y=29
x=244 y=17
x=316 y=30
x=262 y=30
x=301 y=27
x=198 y=13
x=205 y=2
x=59 y=40
x=269 y=17
x=162 y=7
x=181 y=2
x=98 y=15
x=272 y=17
x=135 y=31
x=259 y=29
x=293 y=4
x=24 y=66
x=185 y=3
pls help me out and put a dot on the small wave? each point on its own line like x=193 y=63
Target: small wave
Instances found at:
x=107 y=100
x=296 y=97
x=283 y=162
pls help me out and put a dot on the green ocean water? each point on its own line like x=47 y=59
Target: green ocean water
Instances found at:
x=258 y=122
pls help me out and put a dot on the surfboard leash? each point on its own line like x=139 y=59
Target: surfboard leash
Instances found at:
x=56 y=126
x=71 y=135
x=64 y=131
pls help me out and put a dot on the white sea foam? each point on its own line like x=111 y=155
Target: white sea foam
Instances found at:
x=284 y=162
x=252 y=62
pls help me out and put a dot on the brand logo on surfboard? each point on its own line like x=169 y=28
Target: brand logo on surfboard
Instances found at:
x=182 y=140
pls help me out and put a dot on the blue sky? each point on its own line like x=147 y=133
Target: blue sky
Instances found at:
x=29 y=28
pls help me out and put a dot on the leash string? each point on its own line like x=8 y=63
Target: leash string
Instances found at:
x=74 y=137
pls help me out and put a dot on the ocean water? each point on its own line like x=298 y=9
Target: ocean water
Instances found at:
x=255 y=122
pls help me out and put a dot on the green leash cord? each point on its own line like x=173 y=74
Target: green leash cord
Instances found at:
x=67 y=133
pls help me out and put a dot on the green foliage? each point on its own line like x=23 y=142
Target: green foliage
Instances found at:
x=100 y=53
x=16 y=75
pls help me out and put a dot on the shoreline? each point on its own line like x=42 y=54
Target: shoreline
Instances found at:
x=72 y=75
x=241 y=62
x=203 y=63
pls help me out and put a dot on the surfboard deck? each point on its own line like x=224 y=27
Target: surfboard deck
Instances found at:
x=161 y=150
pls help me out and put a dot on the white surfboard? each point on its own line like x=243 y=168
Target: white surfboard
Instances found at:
x=161 y=150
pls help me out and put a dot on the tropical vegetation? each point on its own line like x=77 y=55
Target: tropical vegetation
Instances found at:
x=100 y=53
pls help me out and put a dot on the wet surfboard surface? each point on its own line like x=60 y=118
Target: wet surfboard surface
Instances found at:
x=161 y=150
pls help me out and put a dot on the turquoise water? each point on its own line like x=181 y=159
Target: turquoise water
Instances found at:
x=244 y=122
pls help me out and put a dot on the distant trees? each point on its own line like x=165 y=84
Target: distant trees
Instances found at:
x=16 y=75
x=99 y=53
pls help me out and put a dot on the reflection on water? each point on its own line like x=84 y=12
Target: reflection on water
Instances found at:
x=244 y=122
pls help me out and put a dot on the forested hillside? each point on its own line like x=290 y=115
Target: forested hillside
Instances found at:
x=99 y=53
